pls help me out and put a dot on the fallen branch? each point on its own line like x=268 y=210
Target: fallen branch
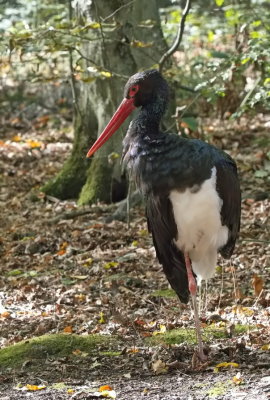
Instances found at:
x=78 y=213
x=120 y=213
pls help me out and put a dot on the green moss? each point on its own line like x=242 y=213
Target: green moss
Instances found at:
x=117 y=277
x=239 y=329
x=97 y=186
x=219 y=389
x=110 y=353
x=175 y=336
x=187 y=335
x=167 y=293
x=68 y=183
x=59 y=386
x=41 y=347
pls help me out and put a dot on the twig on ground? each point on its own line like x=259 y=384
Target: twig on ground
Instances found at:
x=78 y=213
x=121 y=212
x=258 y=298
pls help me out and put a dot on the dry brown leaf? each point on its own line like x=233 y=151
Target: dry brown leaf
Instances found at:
x=257 y=283
x=5 y=314
x=159 y=367
x=68 y=329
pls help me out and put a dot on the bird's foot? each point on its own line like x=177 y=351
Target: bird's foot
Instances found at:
x=202 y=356
x=199 y=360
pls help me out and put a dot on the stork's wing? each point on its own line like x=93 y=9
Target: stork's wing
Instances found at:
x=162 y=225
x=228 y=188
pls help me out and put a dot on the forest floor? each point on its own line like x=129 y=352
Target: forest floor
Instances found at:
x=85 y=309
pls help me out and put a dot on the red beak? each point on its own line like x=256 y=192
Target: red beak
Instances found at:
x=120 y=115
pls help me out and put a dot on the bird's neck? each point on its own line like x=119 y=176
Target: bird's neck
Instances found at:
x=149 y=117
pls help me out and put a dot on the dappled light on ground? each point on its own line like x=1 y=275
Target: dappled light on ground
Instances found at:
x=66 y=271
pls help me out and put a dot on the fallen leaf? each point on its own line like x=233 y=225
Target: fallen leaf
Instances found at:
x=16 y=138
x=265 y=347
x=101 y=319
x=79 y=298
x=80 y=277
x=88 y=262
x=257 y=284
x=162 y=329
x=143 y=232
x=111 y=394
x=33 y=144
x=242 y=310
x=80 y=353
x=63 y=249
x=111 y=264
x=68 y=329
x=35 y=387
x=139 y=322
x=225 y=365
x=159 y=367
x=133 y=350
x=5 y=314
x=105 y=387
x=237 y=380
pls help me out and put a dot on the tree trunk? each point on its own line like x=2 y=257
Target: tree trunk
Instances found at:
x=130 y=40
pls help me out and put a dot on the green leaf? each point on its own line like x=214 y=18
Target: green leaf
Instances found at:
x=191 y=122
x=256 y=23
x=33 y=273
x=261 y=174
x=255 y=35
x=15 y=272
x=67 y=281
x=219 y=3
x=93 y=25
x=210 y=36
x=138 y=43
x=175 y=16
x=111 y=264
x=232 y=16
x=219 y=54
x=245 y=60
x=107 y=74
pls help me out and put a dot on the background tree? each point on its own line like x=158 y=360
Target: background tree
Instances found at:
x=128 y=37
x=224 y=58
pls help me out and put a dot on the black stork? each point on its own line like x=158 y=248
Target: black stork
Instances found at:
x=191 y=189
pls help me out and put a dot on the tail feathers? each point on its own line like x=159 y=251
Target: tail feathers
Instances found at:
x=175 y=270
x=162 y=225
x=176 y=274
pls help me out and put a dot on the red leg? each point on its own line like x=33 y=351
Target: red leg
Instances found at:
x=192 y=285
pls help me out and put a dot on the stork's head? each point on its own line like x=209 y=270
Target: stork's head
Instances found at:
x=143 y=88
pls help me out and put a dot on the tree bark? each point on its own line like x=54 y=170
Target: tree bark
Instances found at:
x=129 y=40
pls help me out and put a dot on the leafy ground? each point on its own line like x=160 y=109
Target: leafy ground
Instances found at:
x=95 y=299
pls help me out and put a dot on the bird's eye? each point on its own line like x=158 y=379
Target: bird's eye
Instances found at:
x=133 y=90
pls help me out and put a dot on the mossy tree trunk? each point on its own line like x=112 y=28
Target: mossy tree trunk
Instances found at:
x=118 y=46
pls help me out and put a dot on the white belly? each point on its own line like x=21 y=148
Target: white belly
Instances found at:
x=200 y=233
